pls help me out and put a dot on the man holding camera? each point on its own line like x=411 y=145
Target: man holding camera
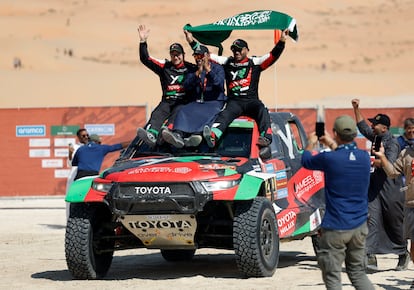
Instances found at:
x=386 y=201
x=344 y=226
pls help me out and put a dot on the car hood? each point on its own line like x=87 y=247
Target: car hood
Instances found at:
x=180 y=168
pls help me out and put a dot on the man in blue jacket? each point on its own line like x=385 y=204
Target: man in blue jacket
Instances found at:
x=344 y=226
x=207 y=86
x=89 y=157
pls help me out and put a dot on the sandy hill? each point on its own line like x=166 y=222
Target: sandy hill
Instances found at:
x=84 y=52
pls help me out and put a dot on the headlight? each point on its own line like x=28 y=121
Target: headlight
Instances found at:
x=219 y=185
x=103 y=187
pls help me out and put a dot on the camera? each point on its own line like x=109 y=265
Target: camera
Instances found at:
x=377 y=143
x=320 y=129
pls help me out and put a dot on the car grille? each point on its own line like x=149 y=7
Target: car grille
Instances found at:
x=141 y=198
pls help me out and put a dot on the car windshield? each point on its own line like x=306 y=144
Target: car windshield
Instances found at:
x=236 y=142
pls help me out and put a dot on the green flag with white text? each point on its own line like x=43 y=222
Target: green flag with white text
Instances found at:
x=215 y=33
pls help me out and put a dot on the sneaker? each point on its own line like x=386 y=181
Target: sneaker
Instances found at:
x=263 y=141
x=208 y=135
x=147 y=137
x=193 y=141
x=403 y=261
x=371 y=263
x=173 y=138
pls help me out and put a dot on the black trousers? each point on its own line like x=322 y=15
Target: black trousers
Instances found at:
x=253 y=108
x=166 y=109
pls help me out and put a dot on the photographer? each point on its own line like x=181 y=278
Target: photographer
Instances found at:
x=344 y=226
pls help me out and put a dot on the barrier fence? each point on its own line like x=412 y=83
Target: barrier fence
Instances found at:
x=35 y=140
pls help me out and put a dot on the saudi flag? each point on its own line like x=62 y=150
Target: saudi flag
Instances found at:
x=215 y=33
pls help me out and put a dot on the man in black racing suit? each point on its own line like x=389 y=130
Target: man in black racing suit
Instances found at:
x=172 y=75
x=242 y=80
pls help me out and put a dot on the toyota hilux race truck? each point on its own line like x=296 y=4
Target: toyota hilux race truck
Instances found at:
x=235 y=196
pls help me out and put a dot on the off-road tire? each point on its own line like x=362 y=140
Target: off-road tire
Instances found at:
x=256 y=238
x=82 y=247
x=177 y=255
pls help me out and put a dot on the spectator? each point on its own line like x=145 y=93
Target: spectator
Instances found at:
x=172 y=75
x=344 y=226
x=83 y=138
x=242 y=78
x=386 y=201
x=404 y=165
x=407 y=138
x=89 y=158
x=17 y=63
x=208 y=85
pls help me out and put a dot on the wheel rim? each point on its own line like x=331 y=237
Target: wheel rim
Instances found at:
x=266 y=238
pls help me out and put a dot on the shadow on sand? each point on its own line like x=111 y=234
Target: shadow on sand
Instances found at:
x=222 y=265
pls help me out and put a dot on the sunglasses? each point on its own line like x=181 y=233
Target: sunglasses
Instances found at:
x=85 y=135
x=236 y=49
x=198 y=56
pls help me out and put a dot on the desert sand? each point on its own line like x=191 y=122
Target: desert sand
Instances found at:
x=85 y=52
x=33 y=257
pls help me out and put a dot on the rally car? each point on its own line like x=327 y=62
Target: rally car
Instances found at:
x=236 y=196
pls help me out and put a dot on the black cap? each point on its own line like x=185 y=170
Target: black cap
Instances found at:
x=176 y=47
x=201 y=49
x=239 y=43
x=380 y=119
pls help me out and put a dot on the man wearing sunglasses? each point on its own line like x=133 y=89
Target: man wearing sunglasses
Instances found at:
x=242 y=75
x=172 y=74
x=83 y=138
x=207 y=83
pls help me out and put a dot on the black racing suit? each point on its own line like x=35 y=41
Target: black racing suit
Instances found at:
x=174 y=94
x=242 y=79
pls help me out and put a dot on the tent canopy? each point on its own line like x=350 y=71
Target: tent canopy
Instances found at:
x=215 y=33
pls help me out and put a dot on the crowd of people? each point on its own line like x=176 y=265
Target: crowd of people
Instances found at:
x=369 y=199
x=190 y=90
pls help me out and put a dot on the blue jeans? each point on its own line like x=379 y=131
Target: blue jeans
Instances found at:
x=339 y=246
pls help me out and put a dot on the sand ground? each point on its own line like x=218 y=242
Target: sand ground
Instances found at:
x=33 y=257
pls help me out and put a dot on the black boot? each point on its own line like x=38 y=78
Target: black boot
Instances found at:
x=403 y=261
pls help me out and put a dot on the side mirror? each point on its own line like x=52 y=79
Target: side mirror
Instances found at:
x=265 y=153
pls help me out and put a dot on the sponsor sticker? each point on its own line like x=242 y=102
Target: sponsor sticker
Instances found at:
x=101 y=129
x=282 y=193
x=52 y=163
x=281 y=175
x=269 y=168
x=286 y=223
x=33 y=153
x=179 y=170
x=39 y=142
x=315 y=220
x=31 y=131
